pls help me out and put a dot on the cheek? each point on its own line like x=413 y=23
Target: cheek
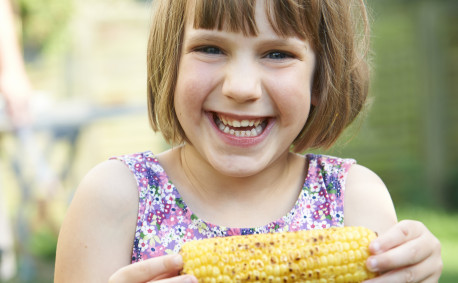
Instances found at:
x=190 y=92
x=293 y=98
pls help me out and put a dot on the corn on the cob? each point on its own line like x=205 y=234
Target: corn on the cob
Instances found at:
x=328 y=255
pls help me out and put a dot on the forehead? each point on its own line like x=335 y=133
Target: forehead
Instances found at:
x=245 y=16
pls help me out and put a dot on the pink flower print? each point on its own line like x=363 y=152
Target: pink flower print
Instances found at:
x=137 y=166
x=315 y=189
x=144 y=182
x=324 y=225
x=169 y=188
x=309 y=205
x=150 y=217
x=143 y=244
x=296 y=225
x=167 y=208
x=172 y=221
x=326 y=211
x=311 y=226
x=170 y=199
x=161 y=216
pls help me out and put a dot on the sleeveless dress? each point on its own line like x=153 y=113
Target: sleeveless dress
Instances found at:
x=165 y=222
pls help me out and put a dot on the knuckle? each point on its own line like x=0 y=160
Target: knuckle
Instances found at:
x=409 y=275
x=413 y=255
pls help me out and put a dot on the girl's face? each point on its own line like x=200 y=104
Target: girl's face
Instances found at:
x=242 y=100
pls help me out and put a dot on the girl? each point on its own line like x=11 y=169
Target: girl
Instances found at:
x=239 y=88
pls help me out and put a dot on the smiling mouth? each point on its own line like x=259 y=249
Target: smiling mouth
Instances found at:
x=240 y=128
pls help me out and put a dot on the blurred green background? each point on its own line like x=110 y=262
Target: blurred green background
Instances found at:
x=95 y=51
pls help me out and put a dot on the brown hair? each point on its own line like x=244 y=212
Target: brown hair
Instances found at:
x=340 y=43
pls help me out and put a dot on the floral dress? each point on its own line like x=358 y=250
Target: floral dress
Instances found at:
x=165 y=222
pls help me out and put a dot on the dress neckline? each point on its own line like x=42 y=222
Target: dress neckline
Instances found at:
x=275 y=225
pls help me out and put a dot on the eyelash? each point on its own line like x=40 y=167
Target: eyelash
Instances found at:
x=283 y=55
x=272 y=55
x=213 y=50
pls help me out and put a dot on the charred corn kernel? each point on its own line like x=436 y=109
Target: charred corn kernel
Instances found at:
x=328 y=255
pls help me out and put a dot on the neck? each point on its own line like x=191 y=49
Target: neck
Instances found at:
x=206 y=181
x=235 y=201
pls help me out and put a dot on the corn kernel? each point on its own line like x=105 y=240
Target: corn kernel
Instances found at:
x=329 y=255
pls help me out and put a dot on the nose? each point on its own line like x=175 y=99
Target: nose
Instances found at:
x=242 y=82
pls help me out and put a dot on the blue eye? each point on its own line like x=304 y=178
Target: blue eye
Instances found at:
x=278 y=55
x=209 y=50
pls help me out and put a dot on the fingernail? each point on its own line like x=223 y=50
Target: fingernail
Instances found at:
x=372 y=264
x=375 y=247
x=189 y=279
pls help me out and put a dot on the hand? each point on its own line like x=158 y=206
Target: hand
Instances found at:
x=408 y=252
x=16 y=89
x=160 y=269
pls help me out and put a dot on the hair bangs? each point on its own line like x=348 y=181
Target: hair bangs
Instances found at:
x=292 y=18
x=230 y=15
x=286 y=17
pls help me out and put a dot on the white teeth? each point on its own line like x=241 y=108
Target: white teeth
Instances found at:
x=226 y=126
x=236 y=124
x=245 y=123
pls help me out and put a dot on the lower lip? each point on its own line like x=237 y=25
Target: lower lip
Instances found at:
x=241 y=141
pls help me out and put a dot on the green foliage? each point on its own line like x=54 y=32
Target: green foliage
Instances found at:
x=44 y=23
x=409 y=137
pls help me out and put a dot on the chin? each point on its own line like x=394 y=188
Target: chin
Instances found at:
x=239 y=167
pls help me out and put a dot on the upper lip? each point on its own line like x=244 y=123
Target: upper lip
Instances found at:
x=238 y=117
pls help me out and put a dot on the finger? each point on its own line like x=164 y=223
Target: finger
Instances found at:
x=177 y=279
x=409 y=253
x=402 y=232
x=149 y=269
x=421 y=272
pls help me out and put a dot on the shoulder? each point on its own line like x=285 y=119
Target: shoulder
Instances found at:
x=110 y=180
x=367 y=200
x=99 y=225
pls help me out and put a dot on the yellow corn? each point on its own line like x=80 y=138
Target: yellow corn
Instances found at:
x=328 y=255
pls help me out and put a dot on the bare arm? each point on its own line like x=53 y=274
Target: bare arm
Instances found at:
x=95 y=242
x=367 y=201
x=98 y=231
x=14 y=82
x=404 y=252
